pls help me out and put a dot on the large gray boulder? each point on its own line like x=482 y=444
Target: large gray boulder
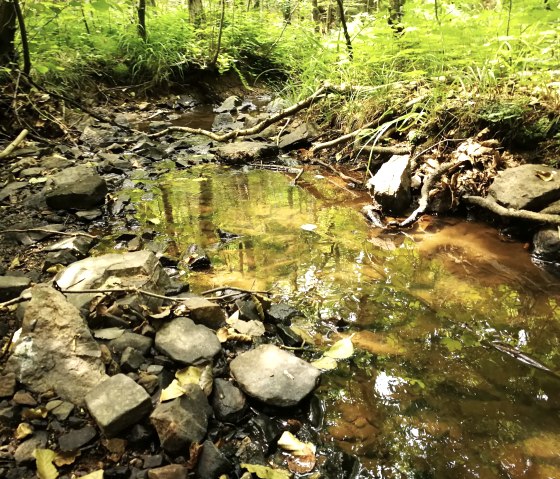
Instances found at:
x=186 y=342
x=118 y=403
x=183 y=421
x=274 y=376
x=526 y=187
x=390 y=186
x=56 y=351
x=76 y=188
x=140 y=269
x=245 y=151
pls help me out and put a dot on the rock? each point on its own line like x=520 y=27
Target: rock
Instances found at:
x=526 y=187
x=23 y=398
x=77 y=438
x=300 y=137
x=99 y=136
x=27 y=238
x=228 y=105
x=225 y=121
x=182 y=421
x=11 y=189
x=245 y=151
x=274 y=376
x=195 y=258
x=390 y=186
x=288 y=336
x=56 y=350
x=76 y=188
x=62 y=410
x=24 y=452
x=212 y=463
x=77 y=245
x=55 y=162
x=7 y=385
x=204 y=312
x=118 y=403
x=138 y=342
x=12 y=286
x=282 y=313
x=228 y=401
x=186 y=342
x=150 y=382
x=131 y=360
x=149 y=462
x=277 y=105
x=89 y=215
x=171 y=471
x=140 y=269
x=546 y=244
x=54 y=258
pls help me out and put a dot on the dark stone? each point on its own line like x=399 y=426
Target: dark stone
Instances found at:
x=288 y=336
x=248 y=310
x=118 y=403
x=300 y=137
x=12 y=286
x=212 y=463
x=24 y=452
x=225 y=121
x=131 y=360
x=267 y=428
x=118 y=472
x=9 y=414
x=228 y=401
x=79 y=246
x=182 y=421
x=149 y=462
x=546 y=244
x=204 y=312
x=63 y=258
x=7 y=385
x=140 y=434
x=242 y=152
x=76 y=438
x=195 y=258
x=138 y=342
x=282 y=313
x=76 y=188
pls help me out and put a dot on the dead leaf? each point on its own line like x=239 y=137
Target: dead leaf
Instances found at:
x=173 y=391
x=188 y=375
x=342 y=349
x=116 y=447
x=37 y=413
x=545 y=175
x=23 y=430
x=264 y=472
x=94 y=475
x=164 y=313
x=325 y=363
x=66 y=458
x=229 y=334
x=288 y=442
x=45 y=468
x=302 y=464
x=194 y=453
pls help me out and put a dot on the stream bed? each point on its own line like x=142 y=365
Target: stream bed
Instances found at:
x=453 y=326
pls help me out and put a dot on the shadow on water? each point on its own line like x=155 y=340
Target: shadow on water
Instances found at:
x=426 y=395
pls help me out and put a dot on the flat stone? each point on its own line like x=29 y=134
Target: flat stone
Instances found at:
x=56 y=351
x=171 y=471
x=204 y=312
x=77 y=438
x=118 y=403
x=24 y=452
x=524 y=187
x=282 y=313
x=55 y=162
x=274 y=376
x=75 y=188
x=12 y=286
x=212 y=463
x=55 y=258
x=229 y=104
x=11 y=189
x=78 y=245
x=300 y=137
x=23 y=398
x=228 y=401
x=62 y=411
x=128 y=339
x=390 y=186
x=7 y=385
x=186 y=342
x=183 y=421
x=245 y=151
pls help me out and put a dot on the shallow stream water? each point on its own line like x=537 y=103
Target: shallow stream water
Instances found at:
x=451 y=322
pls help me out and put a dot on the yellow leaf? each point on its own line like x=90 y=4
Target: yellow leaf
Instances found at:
x=94 y=475
x=545 y=175
x=264 y=472
x=325 y=363
x=188 y=375
x=342 y=349
x=23 y=430
x=290 y=443
x=66 y=458
x=154 y=221
x=45 y=468
x=15 y=263
x=174 y=390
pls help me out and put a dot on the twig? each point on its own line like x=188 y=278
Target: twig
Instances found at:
x=386 y=150
x=334 y=170
x=233 y=288
x=294 y=181
x=122 y=290
x=46 y=230
x=13 y=145
x=340 y=139
x=494 y=207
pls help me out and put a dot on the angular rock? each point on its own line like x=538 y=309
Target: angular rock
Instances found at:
x=228 y=402
x=55 y=162
x=204 y=312
x=390 y=186
x=546 y=244
x=131 y=360
x=78 y=245
x=171 y=471
x=245 y=151
x=54 y=258
x=12 y=286
x=11 y=189
x=274 y=376
x=63 y=410
x=229 y=104
x=140 y=269
x=300 y=137
x=182 y=421
x=277 y=105
x=24 y=452
x=23 y=398
x=195 y=258
x=212 y=463
x=99 y=136
x=526 y=187
x=138 y=342
x=186 y=342
x=282 y=313
x=225 y=121
x=56 y=350
x=7 y=385
x=76 y=188
x=75 y=439
x=118 y=403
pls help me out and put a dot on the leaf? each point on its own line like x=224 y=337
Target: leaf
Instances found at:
x=229 y=334
x=23 y=430
x=94 y=475
x=66 y=458
x=34 y=181
x=452 y=344
x=154 y=221
x=292 y=444
x=45 y=468
x=174 y=390
x=266 y=472
x=108 y=333
x=207 y=380
x=189 y=375
x=342 y=349
x=325 y=363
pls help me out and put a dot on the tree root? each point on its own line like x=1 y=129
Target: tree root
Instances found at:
x=494 y=207
x=14 y=144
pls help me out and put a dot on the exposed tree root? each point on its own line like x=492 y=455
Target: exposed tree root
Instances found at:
x=386 y=150
x=494 y=207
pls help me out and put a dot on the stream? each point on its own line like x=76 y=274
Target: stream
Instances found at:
x=452 y=324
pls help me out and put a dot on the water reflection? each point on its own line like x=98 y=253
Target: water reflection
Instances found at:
x=427 y=395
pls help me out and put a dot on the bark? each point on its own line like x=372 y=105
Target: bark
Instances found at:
x=142 y=19
x=396 y=14
x=23 y=35
x=196 y=11
x=345 y=29
x=7 y=32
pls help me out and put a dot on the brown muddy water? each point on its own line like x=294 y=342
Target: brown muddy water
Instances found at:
x=450 y=321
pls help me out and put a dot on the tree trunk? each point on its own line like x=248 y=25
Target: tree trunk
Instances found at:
x=345 y=29
x=142 y=19
x=7 y=32
x=196 y=12
x=396 y=14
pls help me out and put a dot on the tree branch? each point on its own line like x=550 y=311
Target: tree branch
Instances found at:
x=14 y=144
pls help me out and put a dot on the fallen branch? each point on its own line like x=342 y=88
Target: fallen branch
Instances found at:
x=424 y=201
x=386 y=150
x=46 y=230
x=336 y=172
x=14 y=144
x=253 y=130
x=340 y=139
x=494 y=207
x=233 y=288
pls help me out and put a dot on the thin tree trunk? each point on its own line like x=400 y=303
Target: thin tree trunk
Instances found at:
x=219 y=45
x=345 y=29
x=24 y=42
x=7 y=32
x=142 y=19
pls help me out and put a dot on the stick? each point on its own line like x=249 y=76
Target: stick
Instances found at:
x=46 y=230
x=233 y=288
x=335 y=171
x=494 y=207
x=13 y=145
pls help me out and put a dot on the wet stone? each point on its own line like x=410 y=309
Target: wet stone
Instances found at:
x=77 y=245
x=204 y=312
x=172 y=471
x=282 y=313
x=149 y=382
x=183 y=421
x=118 y=403
x=78 y=188
x=186 y=342
x=76 y=438
x=24 y=452
x=229 y=104
x=140 y=434
x=149 y=462
x=300 y=137
x=274 y=376
x=212 y=463
x=195 y=258
x=228 y=401
x=12 y=286
x=288 y=336
x=62 y=411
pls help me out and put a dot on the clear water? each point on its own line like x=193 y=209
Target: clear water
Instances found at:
x=450 y=321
